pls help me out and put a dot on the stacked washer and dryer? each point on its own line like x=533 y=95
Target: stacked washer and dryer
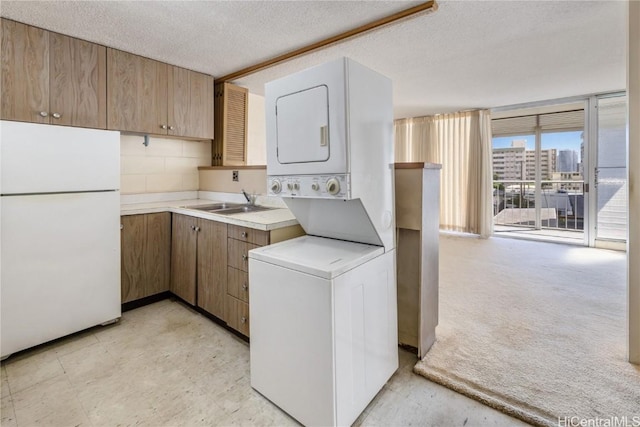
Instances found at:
x=323 y=307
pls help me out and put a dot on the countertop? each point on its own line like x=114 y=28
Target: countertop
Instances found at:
x=262 y=220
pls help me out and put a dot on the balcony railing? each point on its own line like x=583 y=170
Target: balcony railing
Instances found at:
x=561 y=204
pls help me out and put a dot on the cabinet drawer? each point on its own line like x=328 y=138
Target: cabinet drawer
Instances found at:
x=238 y=284
x=238 y=254
x=237 y=315
x=250 y=235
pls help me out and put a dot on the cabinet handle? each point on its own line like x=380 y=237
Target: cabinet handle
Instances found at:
x=245 y=287
x=193 y=228
x=121 y=226
x=197 y=228
x=244 y=234
x=171 y=128
x=56 y=115
x=163 y=126
x=43 y=114
x=243 y=319
x=244 y=257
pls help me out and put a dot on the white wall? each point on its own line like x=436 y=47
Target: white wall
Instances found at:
x=165 y=165
x=256 y=132
x=633 y=168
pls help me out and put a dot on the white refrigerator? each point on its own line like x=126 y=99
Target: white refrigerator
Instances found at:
x=59 y=232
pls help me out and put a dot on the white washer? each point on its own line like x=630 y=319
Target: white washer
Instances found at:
x=323 y=326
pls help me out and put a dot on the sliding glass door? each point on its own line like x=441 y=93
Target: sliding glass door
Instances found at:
x=611 y=169
x=539 y=165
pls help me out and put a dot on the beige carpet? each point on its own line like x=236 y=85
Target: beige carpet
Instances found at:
x=537 y=330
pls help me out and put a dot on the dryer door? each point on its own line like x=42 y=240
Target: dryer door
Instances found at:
x=302 y=126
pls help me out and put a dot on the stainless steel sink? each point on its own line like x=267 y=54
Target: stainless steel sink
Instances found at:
x=214 y=207
x=243 y=209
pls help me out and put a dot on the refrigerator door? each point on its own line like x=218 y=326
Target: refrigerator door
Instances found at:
x=60 y=259
x=37 y=158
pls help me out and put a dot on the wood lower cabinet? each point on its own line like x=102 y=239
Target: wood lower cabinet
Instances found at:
x=145 y=255
x=237 y=315
x=210 y=264
x=211 y=272
x=184 y=240
x=52 y=78
x=198 y=262
x=240 y=241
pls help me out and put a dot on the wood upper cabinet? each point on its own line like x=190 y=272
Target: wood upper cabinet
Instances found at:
x=230 y=125
x=78 y=82
x=145 y=255
x=199 y=262
x=190 y=104
x=136 y=93
x=51 y=78
x=152 y=97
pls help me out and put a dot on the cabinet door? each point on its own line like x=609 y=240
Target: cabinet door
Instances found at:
x=136 y=93
x=212 y=266
x=249 y=235
x=25 y=73
x=190 y=103
x=183 y=257
x=230 y=125
x=132 y=242
x=157 y=253
x=237 y=315
x=178 y=101
x=238 y=284
x=201 y=105
x=78 y=82
x=238 y=254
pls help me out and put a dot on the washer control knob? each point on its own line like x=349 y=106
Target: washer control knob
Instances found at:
x=333 y=186
x=315 y=186
x=290 y=186
x=296 y=186
x=275 y=186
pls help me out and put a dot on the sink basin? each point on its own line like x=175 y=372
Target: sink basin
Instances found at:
x=215 y=207
x=243 y=209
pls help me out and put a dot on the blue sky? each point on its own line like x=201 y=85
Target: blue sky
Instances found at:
x=558 y=140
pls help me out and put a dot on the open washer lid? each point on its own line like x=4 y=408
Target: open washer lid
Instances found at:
x=318 y=256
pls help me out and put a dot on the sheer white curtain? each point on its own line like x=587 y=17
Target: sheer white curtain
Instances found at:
x=461 y=142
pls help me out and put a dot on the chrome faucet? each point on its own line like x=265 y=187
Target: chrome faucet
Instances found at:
x=251 y=199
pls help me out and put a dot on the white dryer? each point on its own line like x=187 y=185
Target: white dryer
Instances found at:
x=330 y=150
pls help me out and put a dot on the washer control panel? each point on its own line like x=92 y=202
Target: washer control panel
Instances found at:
x=312 y=186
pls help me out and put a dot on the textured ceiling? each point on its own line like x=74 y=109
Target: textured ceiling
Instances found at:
x=468 y=54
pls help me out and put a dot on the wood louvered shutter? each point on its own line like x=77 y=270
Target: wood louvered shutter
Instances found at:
x=230 y=141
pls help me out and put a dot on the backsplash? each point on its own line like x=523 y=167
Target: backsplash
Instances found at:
x=221 y=180
x=165 y=165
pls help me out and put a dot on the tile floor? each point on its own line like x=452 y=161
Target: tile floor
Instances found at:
x=165 y=364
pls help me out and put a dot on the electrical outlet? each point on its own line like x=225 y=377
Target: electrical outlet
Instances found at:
x=234 y=175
